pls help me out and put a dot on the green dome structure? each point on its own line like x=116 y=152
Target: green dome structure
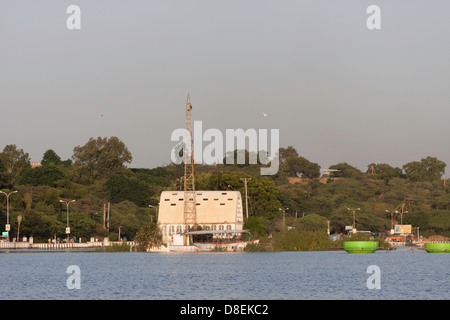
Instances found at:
x=437 y=247
x=360 y=246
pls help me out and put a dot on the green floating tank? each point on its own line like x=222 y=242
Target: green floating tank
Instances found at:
x=437 y=247
x=360 y=246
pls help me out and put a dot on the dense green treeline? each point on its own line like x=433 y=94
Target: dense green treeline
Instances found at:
x=97 y=175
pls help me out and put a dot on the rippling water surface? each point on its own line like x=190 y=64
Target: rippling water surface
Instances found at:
x=262 y=275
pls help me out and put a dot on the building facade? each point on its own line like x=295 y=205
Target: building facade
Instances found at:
x=215 y=210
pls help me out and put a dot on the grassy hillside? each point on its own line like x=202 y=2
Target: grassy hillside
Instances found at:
x=131 y=191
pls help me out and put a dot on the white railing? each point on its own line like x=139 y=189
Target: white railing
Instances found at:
x=27 y=245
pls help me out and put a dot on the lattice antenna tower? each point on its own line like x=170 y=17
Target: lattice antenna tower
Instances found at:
x=190 y=213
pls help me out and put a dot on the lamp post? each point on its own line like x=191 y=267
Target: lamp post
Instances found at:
x=19 y=220
x=7 y=227
x=354 y=215
x=67 y=205
x=401 y=216
x=284 y=215
x=156 y=212
x=246 y=180
x=392 y=217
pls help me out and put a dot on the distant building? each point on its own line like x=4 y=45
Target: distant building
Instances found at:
x=216 y=210
x=35 y=165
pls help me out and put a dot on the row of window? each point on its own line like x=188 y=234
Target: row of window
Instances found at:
x=172 y=229
x=204 y=199
x=198 y=193
x=174 y=204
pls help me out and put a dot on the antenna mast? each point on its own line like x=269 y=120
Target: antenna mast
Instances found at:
x=190 y=213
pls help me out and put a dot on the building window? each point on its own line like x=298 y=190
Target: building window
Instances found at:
x=222 y=204
x=216 y=199
x=173 y=204
x=221 y=227
x=179 y=230
x=164 y=231
x=228 y=227
x=171 y=230
x=205 y=199
x=214 y=227
x=224 y=193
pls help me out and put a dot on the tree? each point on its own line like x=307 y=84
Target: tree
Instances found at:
x=241 y=158
x=300 y=166
x=293 y=164
x=50 y=156
x=428 y=169
x=122 y=188
x=311 y=222
x=102 y=157
x=14 y=161
x=3 y=174
x=45 y=175
x=345 y=170
x=384 y=170
x=256 y=226
x=285 y=153
x=159 y=176
x=148 y=236
x=262 y=192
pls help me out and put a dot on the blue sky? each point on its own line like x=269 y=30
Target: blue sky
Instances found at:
x=336 y=90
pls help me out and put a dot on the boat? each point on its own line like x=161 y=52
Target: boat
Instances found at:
x=420 y=244
x=360 y=246
x=183 y=242
x=437 y=247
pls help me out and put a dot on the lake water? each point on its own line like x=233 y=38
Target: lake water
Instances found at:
x=329 y=275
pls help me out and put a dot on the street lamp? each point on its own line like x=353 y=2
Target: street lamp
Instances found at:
x=7 y=227
x=156 y=211
x=401 y=216
x=284 y=215
x=392 y=217
x=19 y=220
x=246 y=197
x=67 y=205
x=353 y=215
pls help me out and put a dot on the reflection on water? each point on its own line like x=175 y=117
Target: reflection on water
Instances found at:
x=260 y=275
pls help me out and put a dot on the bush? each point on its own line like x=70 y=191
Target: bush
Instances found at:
x=301 y=240
x=45 y=175
x=148 y=236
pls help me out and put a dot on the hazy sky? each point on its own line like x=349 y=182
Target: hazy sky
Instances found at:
x=336 y=90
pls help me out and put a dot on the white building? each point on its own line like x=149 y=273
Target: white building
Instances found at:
x=215 y=210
